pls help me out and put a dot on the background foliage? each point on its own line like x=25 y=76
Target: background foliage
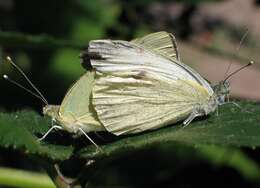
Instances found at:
x=46 y=37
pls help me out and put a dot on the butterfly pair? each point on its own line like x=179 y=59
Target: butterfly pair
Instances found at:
x=135 y=86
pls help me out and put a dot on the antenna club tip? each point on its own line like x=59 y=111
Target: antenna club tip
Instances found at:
x=8 y=58
x=5 y=76
x=251 y=62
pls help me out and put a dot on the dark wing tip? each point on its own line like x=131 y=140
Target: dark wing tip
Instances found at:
x=87 y=55
x=85 y=59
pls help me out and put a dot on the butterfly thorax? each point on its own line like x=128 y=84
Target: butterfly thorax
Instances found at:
x=221 y=92
x=208 y=106
x=70 y=122
x=53 y=112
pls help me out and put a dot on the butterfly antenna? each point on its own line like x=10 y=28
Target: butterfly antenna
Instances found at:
x=237 y=49
x=38 y=94
x=236 y=71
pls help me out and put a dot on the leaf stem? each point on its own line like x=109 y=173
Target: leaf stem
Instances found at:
x=22 y=178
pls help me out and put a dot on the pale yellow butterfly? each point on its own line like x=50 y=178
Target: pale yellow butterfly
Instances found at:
x=142 y=84
x=75 y=114
x=135 y=86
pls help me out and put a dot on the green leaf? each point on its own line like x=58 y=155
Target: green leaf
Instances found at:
x=232 y=127
x=18 y=130
x=231 y=157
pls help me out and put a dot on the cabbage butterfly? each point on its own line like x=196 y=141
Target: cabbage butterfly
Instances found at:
x=75 y=113
x=133 y=87
x=142 y=84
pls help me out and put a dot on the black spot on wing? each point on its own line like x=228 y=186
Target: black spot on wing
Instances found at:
x=86 y=56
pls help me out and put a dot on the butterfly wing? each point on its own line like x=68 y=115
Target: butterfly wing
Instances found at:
x=164 y=43
x=137 y=90
x=76 y=107
x=160 y=42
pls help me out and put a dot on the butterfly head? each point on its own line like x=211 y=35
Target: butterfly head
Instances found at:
x=222 y=91
x=51 y=111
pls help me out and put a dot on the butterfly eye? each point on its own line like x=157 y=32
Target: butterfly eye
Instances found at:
x=46 y=109
x=227 y=85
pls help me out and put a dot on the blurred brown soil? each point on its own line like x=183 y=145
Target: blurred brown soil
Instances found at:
x=245 y=84
x=241 y=14
x=238 y=13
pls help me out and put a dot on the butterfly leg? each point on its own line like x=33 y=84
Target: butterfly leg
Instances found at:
x=48 y=132
x=217 y=112
x=237 y=105
x=191 y=117
x=85 y=134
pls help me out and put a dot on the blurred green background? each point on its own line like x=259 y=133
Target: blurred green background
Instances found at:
x=208 y=34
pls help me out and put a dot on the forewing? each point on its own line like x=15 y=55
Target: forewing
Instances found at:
x=76 y=105
x=137 y=90
x=116 y=57
x=164 y=43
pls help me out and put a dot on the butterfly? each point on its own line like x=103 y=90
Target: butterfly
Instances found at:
x=135 y=86
x=142 y=84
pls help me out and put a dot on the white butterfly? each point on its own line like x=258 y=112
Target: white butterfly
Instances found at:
x=143 y=85
x=133 y=87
